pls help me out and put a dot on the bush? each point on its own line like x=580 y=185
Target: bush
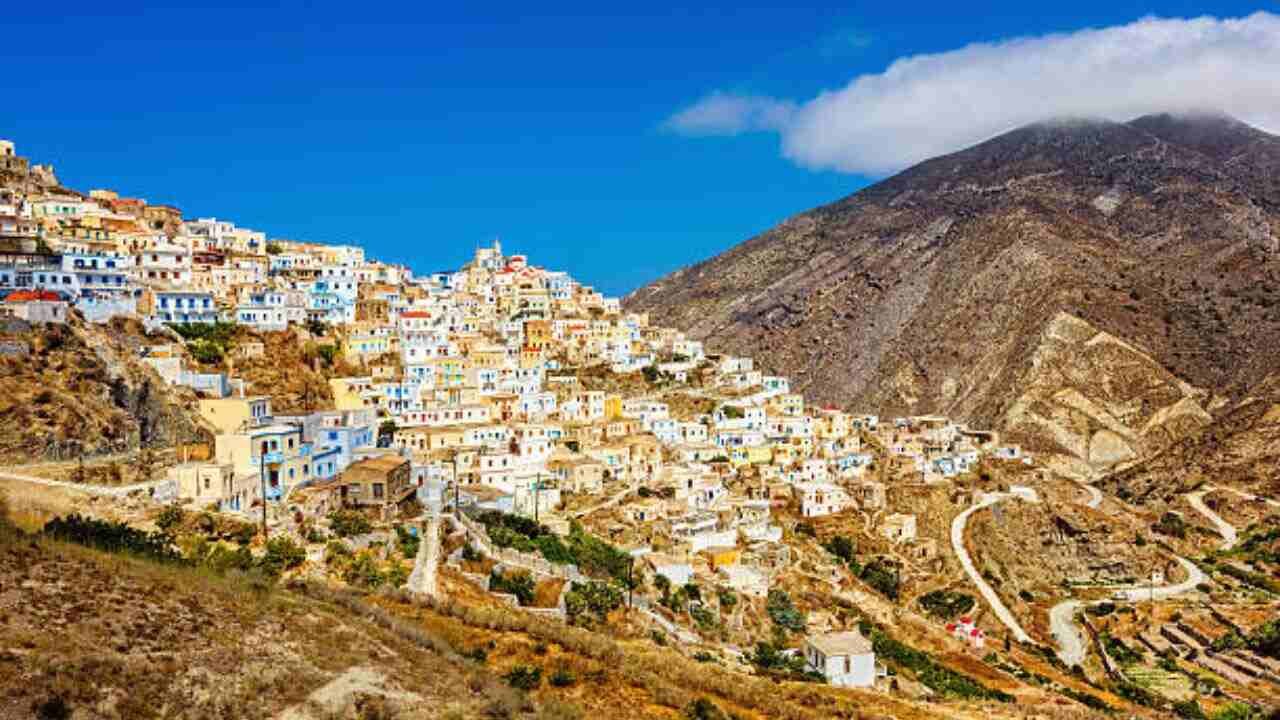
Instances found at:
x=524 y=677
x=1170 y=524
x=282 y=554
x=408 y=542
x=945 y=604
x=170 y=517
x=116 y=537
x=1101 y=609
x=939 y=678
x=562 y=677
x=349 y=523
x=842 y=547
x=1189 y=709
x=1265 y=639
x=704 y=709
x=54 y=708
x=362 y=571
x=783 y=613
x=882 y=576
x=335 y=552
x=592 y=598
x=518 y=583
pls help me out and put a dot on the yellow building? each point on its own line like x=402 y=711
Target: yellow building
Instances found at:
x=236 y=413
x=613 y=407
x=352 y=393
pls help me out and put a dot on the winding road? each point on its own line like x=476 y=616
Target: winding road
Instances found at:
x=1062 y=617
x=988 y=593
x=1062 y=624
x=1228 y=531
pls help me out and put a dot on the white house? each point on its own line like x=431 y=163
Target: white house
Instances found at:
x=845 y=659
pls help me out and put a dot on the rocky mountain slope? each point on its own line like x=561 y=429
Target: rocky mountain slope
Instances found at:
x=80 y=389
x=1240 y=449
x=937 y=290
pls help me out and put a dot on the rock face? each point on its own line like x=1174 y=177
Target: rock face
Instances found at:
x=1240 y=449
x=937 y=290
x=80 y=390
x=1092 y=401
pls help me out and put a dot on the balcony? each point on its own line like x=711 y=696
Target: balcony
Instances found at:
x=271 y=458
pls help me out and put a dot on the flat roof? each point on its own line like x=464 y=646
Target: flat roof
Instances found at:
x=849 y=642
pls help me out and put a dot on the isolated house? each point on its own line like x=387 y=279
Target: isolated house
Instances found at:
x=845 y=659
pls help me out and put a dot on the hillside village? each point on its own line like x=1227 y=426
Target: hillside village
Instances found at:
x=509 y=425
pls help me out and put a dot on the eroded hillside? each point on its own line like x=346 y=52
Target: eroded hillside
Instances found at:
x=68 y=390
x=932 y=291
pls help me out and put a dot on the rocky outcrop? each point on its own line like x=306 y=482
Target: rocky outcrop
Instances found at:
x=81 y=390
x=1092 y=401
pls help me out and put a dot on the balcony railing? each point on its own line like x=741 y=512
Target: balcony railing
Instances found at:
x=271 y=458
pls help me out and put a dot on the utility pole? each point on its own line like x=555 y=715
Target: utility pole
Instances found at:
x=262 y=481
x=457 y=509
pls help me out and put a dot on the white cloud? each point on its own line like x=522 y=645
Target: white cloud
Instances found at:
x=927 y=105
x=726 y=114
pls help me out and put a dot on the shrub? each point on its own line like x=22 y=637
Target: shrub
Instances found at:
x=1265 y=639
x=1189 y=709
x=562 y=677
x=362 y=571
x=591 y=598
x=783 y=613
x=170 y=517
x=880 y=575
x=335 y=552
x=939 y=678
x=518 y=583
x=115 y=537
x=842 y=547
x=1101 y=609
x=945 y=604
x=282 y=554
x=54 y=708
x=1170 y=524
x=524 y=677
x=349 y=523
x=408 y=542
x=704 y=709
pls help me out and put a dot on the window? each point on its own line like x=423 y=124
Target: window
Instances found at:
x=377 y=490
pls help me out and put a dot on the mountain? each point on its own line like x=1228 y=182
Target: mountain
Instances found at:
x=935 y=290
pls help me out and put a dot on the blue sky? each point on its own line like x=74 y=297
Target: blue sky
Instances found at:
x=419 y=131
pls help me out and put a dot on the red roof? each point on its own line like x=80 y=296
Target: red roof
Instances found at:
x=32 y=296
x=415 y=314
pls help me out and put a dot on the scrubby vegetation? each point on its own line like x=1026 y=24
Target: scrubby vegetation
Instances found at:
x=928 y=671
x=514 y=582
x=946 y=604
x=881 y=575
x=591 y=601
x=349 y=523
x=590 y=554
x=783 y=613
x=208 y=343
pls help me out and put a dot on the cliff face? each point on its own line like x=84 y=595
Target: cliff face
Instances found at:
x=934 y=290
x=80 y=389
